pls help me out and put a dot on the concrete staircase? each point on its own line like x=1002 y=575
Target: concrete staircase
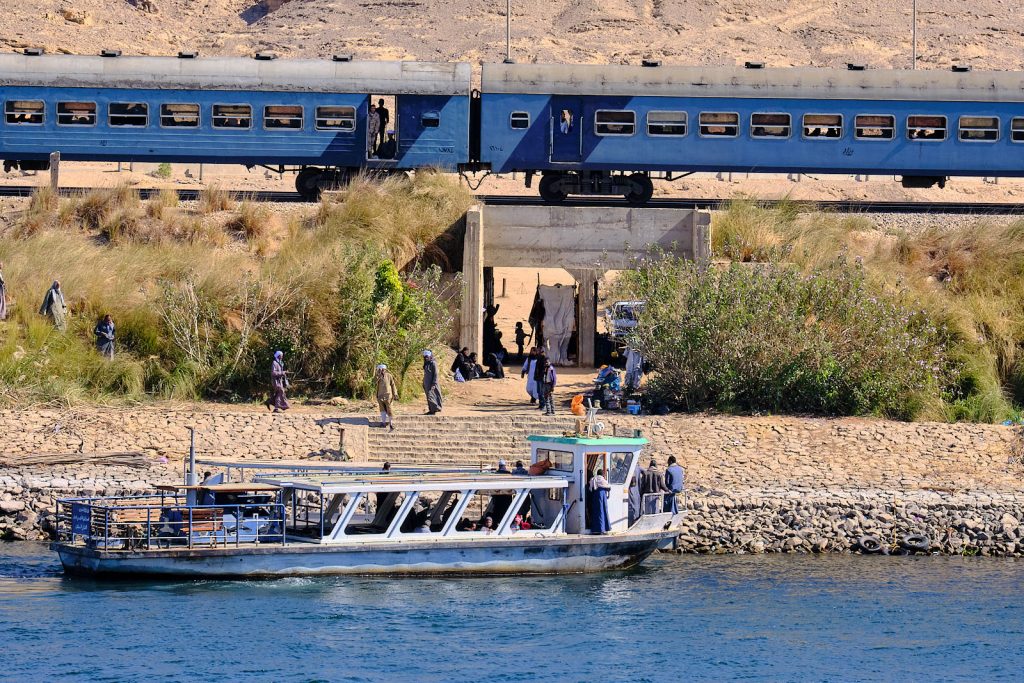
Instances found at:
x=459 y=439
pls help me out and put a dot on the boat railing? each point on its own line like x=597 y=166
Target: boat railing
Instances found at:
x=138 y=523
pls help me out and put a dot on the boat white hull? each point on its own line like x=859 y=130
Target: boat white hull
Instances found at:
x=555 y=555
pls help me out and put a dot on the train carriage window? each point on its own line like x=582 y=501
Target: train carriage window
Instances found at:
x=336 y=118
x=608 y=122
x=1017 y=129
x=287 y=117
x=24 y=112
x=76 y=113
x=926 y=128
x=666 y=123
x=232 y=116
x=131 y=114
x=430 y=119
x=874 y=127
x=520 y=120
x=179 y=115
x=770 y=125
x=719 y=124
x=828 y=126
x=979 y=128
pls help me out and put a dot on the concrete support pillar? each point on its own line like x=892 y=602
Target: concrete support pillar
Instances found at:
x=471 y=332
x=586 y=313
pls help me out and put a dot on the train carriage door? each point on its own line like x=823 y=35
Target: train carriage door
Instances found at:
x=566 y=129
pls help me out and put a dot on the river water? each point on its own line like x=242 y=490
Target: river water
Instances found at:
x=779 y=618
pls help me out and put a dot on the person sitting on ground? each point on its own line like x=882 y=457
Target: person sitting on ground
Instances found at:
x=502 y=467
x=495 y=370
x=519 y=469
x=475 y=368
x=389 y=148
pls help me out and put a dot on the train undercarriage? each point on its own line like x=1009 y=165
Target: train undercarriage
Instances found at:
x=555 y=186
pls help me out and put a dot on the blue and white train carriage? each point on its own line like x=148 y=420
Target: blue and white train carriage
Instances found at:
x=608 y=129
x=305 y=115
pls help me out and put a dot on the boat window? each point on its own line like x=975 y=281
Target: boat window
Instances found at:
x=76 y=113
x=560 y=460
x=719 y=124
x=375 y=513
x=607 y=122
x=770 y=125
x=232 y=116
x=621 y=462
x=129 y=114
x=179 y=115
x=24 y=112
x=979 y=128
x=829 y=126
x=484 y=511
x=288 y=117
x=1017 y=129
x=926 y=128
x=335 y=118
x=430 y=119
x=519 y=120
x=668 y=123
x=874 y=127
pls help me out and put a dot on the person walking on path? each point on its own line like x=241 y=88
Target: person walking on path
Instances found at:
x=530 y=373
x=278 y=383
x=548 y=391
x=387 y=391
x=54 y=306
x=430 y=383
x=3 y=294
x=539 y=371
x=104 y=332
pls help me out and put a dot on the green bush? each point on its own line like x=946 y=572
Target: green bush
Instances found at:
x=767 y=337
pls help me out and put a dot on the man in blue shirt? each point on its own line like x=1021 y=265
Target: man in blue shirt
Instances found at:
x=674 y=478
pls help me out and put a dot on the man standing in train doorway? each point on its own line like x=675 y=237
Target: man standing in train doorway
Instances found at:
x=384 y=115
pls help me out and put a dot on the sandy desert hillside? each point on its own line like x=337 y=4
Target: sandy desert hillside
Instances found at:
x=984 y=33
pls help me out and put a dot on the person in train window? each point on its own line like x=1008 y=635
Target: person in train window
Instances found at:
x=566 y=123
x=385 y=116
x=372 y=128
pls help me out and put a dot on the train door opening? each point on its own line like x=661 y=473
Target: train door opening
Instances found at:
x=382 y=137
x=566 y=129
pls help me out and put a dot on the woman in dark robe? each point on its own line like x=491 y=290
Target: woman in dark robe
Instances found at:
x=278 y=383
x=597 y=503
x=54 y=306
x=430 y=383
x=495 y=369
x=104 y=332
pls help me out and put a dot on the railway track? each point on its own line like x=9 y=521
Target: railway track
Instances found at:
x=838 y=206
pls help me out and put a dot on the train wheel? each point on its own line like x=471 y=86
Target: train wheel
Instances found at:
x=643 y=189
x=548 y=190
x=307 y=183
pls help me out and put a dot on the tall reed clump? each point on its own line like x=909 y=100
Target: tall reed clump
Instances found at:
x=214 y=198
x=197 y=321
x=967 y=277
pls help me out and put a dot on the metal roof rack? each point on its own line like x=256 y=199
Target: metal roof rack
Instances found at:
x=651 y=62
x=110 y=53
x=753 y=65
x=855 y=67
x=191 y=54
x=265 y=56
x=34 y=51
x=342 y=58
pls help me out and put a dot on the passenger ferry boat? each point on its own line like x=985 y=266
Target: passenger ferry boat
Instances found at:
x=346 y=519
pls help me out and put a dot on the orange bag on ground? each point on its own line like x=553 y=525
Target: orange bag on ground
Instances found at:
x=576 y=407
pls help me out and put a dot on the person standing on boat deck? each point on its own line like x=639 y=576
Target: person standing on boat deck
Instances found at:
x=529 y=372
x=430 y=383
x=104 y=332
x=3 y=294
x=502 y=467
x=387 y=391
x=519 y=469
x=674 y=479
x=597 y=503
x=654 y=481
x=278 y=383
x=634 y=499
x=548 y=387
x=54 y=306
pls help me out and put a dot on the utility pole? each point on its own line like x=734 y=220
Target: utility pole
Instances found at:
x=913 y=64
x=508 y=32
